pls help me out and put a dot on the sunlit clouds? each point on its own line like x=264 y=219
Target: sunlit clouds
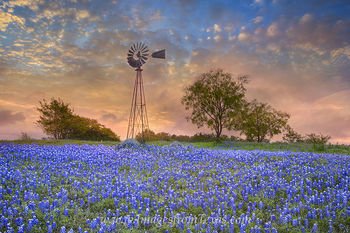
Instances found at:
x=297 y=55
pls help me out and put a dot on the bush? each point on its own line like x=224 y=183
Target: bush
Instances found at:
x=25 y=137
x=89 y=129
x=291 y=136
x=317 y=138
x=57 y=119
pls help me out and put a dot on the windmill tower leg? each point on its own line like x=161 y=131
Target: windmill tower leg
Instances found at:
x=138 y=120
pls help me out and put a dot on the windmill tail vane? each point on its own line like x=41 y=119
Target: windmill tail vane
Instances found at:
x=159 y=54
x=138 y=121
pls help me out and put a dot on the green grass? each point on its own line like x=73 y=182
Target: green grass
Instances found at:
x=274 y=146
x=278 y=146
x=235 y=145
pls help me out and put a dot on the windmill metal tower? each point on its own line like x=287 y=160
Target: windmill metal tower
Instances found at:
x=138 y=120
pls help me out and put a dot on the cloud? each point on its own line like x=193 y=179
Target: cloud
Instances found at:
x=326 y=33
x=156 y=16
x=216 y=28
x=306 y=18
x=109 y=117
x=273 y=30
x=82 y=14
x=31 y=4
x=9 y=117
x=7 y=18
x=217 y=38
x=336 y=54
x=243 y=36
x=258 y=2
x=258 y=19
x=78 y=53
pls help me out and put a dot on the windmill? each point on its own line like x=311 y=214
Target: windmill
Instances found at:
x=138 y=120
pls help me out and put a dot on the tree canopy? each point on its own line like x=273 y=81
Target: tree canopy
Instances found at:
x=317 y=138
x=57 y=119
x=260 y=121
x=291 y=136
x=214 y=99
x=90 y=129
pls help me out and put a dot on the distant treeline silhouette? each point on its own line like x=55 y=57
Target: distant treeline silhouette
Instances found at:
x=150 y=136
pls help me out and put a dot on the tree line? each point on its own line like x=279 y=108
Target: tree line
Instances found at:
x=216 y=100
x=149 y=135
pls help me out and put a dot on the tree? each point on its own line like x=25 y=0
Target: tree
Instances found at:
x=202 y=137
x=214 y=99
x=317 y=138
x=89 y=129
x=55 y=118
x=148 y=135
x=25 y=137
x=163 y=136
x=291 y=136
x=261 y=122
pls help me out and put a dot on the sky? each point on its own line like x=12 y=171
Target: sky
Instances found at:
x=296 y=54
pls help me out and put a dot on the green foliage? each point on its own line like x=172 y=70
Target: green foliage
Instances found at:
x=317 y=138
x=151 y=136
x=260 y=122
x=54 y=118
x=201 y=137
x=102 y=205
x=275 y=146
x=146 y=135
x=291 y=136
x=318 y=141
x=89 y=129
x=214 y=99
x=58 y=120
x=25 y=137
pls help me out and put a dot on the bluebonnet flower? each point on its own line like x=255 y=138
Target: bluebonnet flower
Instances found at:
x=94 y=224
x=19 y=221
x=314 y=228
x=215 y=182
x=49 y=229
x=65 y=212
x=21 y=229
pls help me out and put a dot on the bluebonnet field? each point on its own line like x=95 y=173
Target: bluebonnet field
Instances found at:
x=175 y=188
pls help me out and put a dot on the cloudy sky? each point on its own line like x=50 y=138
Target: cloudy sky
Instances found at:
x=296 y=53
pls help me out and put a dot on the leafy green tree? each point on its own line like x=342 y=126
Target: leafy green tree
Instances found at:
x=163 y=136
x=291 y=136
x=89 y=129
x=148 y=135
x=203 y=137
x=317 y=138
x=260 y=121
x=180 y=138
x=58 y=120
x=55 y=117
x=215 y=98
